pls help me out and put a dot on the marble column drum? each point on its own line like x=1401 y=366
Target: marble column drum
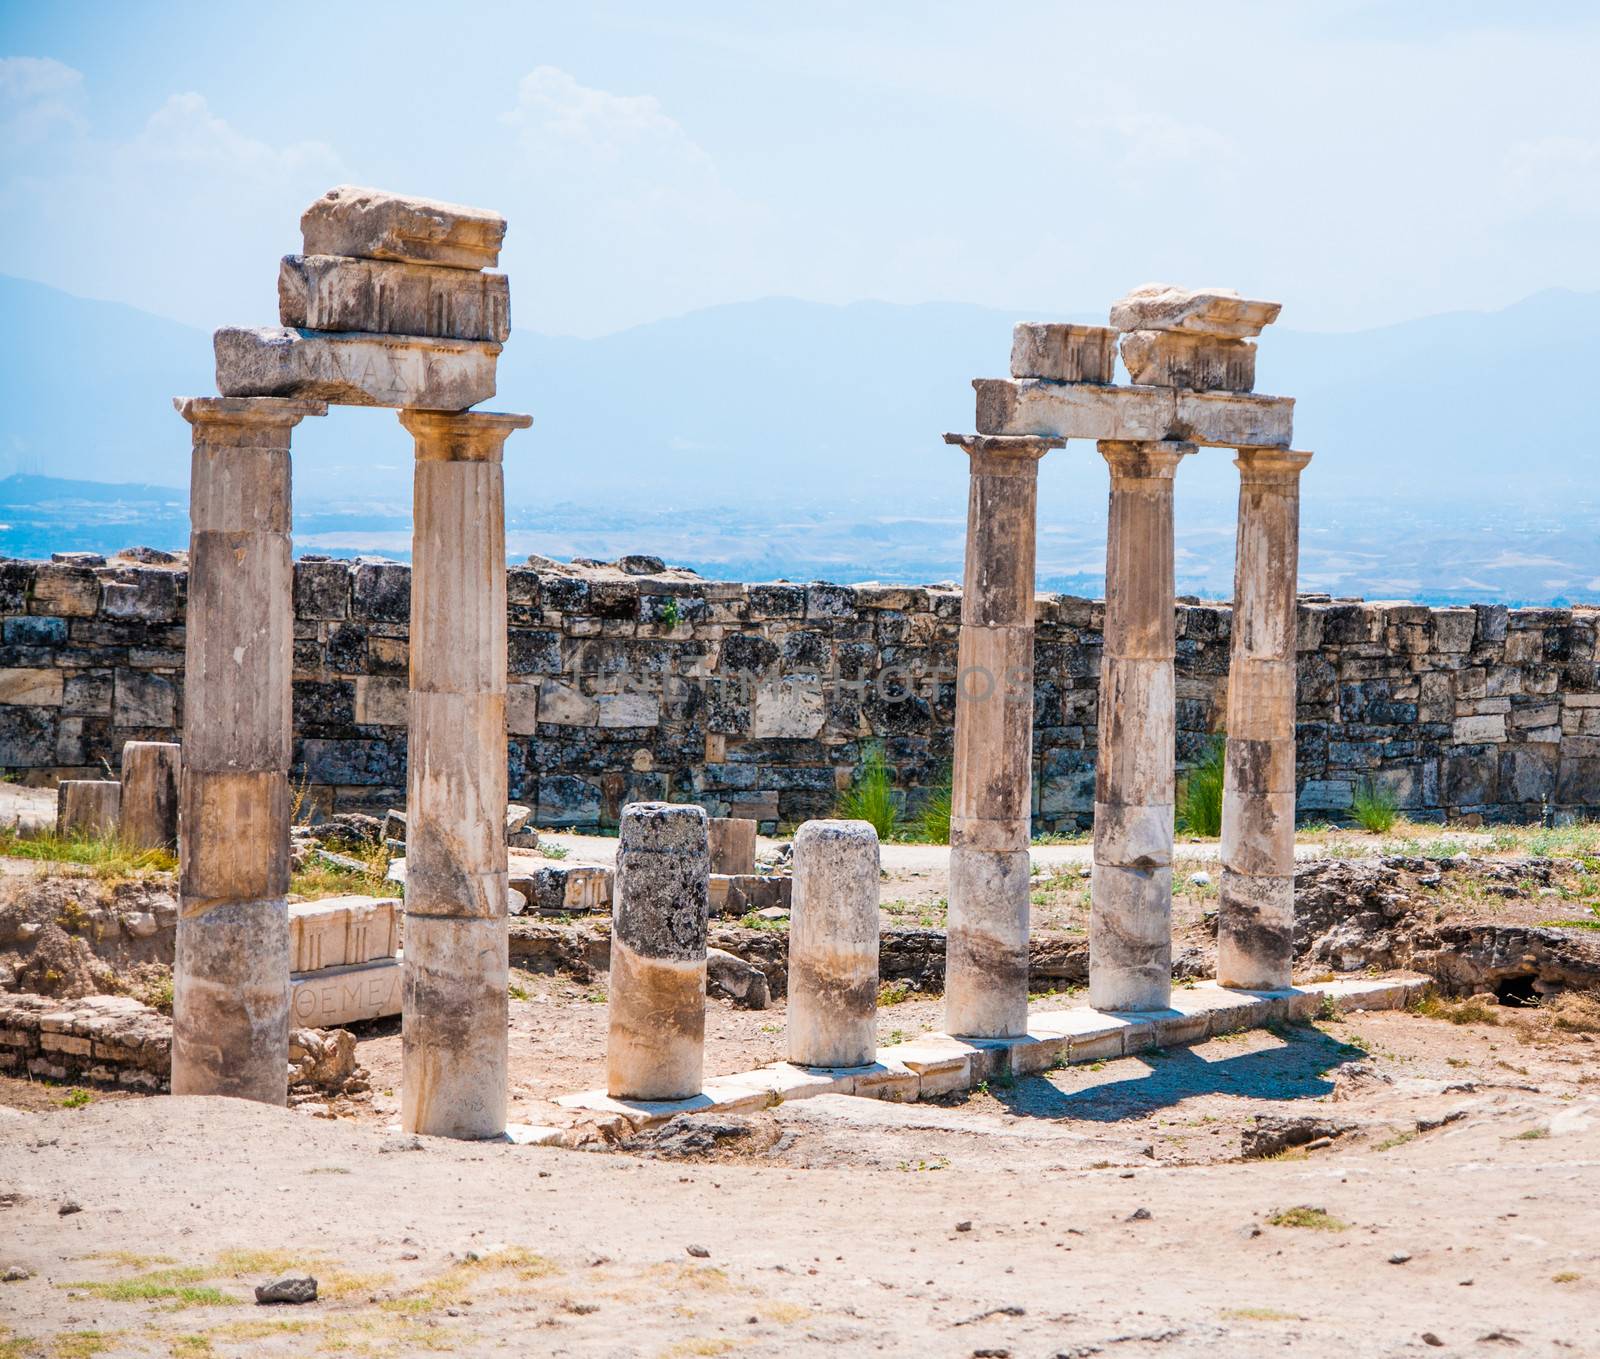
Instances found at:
x=230 y=1005
x=656 y=1021
x=986 y=948
x=1130 y=923
x=833 y=945
x=150 y=775
x=453 y=1002
x=1255 y=917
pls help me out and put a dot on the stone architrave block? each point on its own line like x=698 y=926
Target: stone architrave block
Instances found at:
x=336 y=996
x=342 y=931
x=355 y=369
x=1200 y=311
x=1063 y=353
x=385 y=297
x=1175 y=358
x=375 y=224
x=1133 y=414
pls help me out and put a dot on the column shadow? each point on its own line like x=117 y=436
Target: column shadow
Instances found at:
x=1294 y=1069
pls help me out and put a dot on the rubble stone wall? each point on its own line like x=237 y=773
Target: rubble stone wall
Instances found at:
x=757 y=700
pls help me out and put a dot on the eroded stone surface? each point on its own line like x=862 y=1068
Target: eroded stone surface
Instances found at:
x=376 y=224
x=1063 y=353
x=1202 y=311
x=328 y=292
x=355 y=369
x=833 y=945
x=1175 y=358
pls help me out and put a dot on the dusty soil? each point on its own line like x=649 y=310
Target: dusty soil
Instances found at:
x=1097 y=1211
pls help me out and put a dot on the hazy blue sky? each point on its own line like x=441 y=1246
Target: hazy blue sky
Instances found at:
x=1364 y=162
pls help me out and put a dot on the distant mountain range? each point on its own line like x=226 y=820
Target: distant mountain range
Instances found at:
x=783 y=436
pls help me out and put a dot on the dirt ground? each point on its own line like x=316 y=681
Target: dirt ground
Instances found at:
x=1099 y=1210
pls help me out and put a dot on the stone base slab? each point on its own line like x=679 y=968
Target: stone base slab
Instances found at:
x=336 y=996
x=937 y=1064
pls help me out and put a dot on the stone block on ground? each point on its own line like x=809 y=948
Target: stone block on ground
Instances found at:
x=376 y=224
x=341 y=931
x=355 y=369
x=327 y=292
x=336 y=996
x=88 y=807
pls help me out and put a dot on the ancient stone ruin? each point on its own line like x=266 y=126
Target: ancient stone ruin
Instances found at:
x=389 y=306
x=394 y=303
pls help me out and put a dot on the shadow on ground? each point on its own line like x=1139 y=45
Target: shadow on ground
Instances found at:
x=1294 y=1067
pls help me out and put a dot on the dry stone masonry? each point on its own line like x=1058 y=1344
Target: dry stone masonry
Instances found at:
x=1476 y=712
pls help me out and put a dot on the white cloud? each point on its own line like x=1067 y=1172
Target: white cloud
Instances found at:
x=38 y=96
x=184 y=132
x=628 y=198
x=1551 y=172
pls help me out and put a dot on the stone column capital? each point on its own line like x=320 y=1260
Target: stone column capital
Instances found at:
x=214 y=416
x=461 y=436
x=1143 y=461
x=1016 y=454
x=1271 y=465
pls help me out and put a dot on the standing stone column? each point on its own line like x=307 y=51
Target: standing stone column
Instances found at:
x=150 y=772
x=1130 y=923
x=1255 y=919
x=454 y=1012
x=656 y=1024
x=833 y=945
x=88 y=807
x=230 y=1003
x=986 y=948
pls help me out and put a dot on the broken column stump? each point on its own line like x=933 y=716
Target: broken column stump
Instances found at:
x=833 y=945
x=655 y=1044
x=150 y=774
x=87 y=807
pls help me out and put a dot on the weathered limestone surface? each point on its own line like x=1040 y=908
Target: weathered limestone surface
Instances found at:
x=455 y=1016
x=328 y=292
x=375 y=224
x=87 y=807
x=1255 y=919
x=114 y=1039
x=150 y=775
x=355 y=369
x=655 y=1045
x=1202 y=311
x=341 y=931
x=1063 y=353
x=1176 y=358
x=986 y=968
x=833 y=945
x=231 y=972
x=1133 y=414
x=336 y=996
x=1130 y=923
x=733 y=845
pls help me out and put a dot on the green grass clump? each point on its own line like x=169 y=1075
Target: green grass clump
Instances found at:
x=323 y=877
x=108 y=855
x=1374 y=807
x=870 y=797
x=1200 y=794
x=1312 y=1219
x=933 y=821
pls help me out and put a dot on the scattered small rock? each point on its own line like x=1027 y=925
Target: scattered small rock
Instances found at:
x=16 y=1274
x=1429 y=1338
x=1250 y=1232
x=1200 y=879
x=1139 y=1215
x=1400 y=1257
x=288 y=1288
x=69 y=1206
x=963 y=1226
x=699 y=1252
x=1272 y=1134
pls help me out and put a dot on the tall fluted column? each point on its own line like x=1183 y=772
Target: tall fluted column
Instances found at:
x=986 y=948
x=230 y=1001
x=454 y=1007
x=1130 y=923
x=1255 y=919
